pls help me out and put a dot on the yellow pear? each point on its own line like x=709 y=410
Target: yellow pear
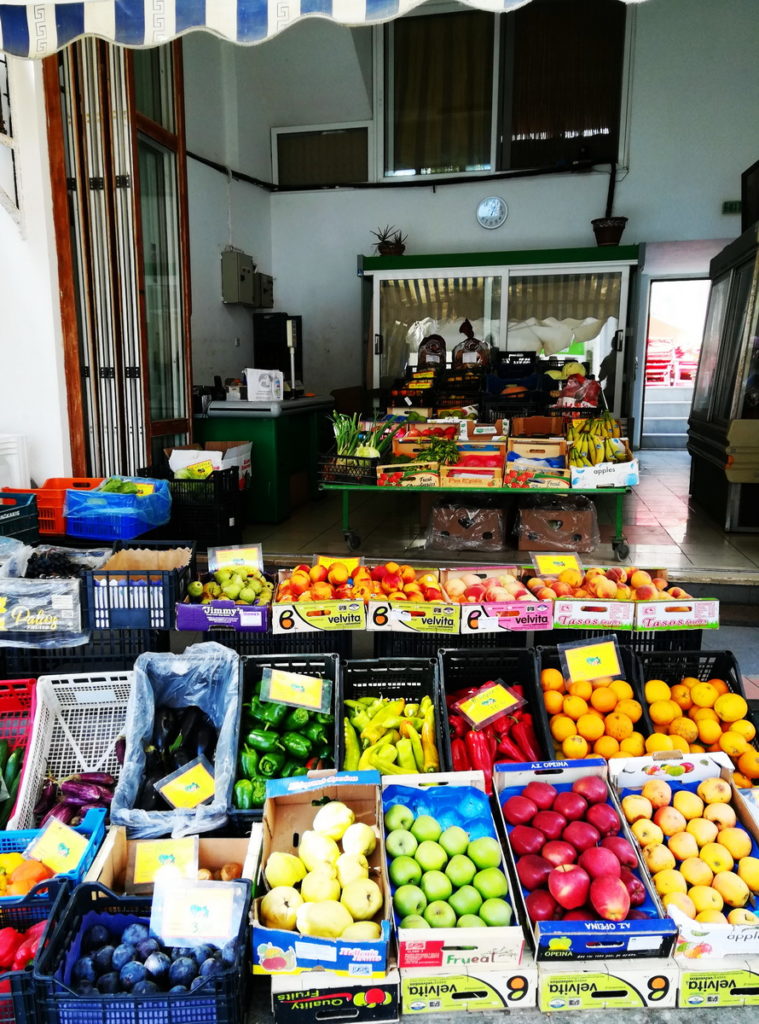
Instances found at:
x=318 y=886
x=279 y=907
x=284 y=869
x=316 y=849
x=333 y=819
x=359 y=838
x=350 y=867
x=362 y=931
x=326 y=920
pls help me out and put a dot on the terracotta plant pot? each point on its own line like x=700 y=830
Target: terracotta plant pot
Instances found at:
x=608 y=230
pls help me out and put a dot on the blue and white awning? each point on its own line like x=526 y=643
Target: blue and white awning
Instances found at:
x=37 y=30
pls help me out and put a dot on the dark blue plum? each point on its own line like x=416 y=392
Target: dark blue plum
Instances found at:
x=201 y=953
x=179 y=988
x=95 y=937
x=178 y=951
x=146 y=947
x=109 y=983
x=229 y=953
x=145 y=988
x=131 y=973
x=84 y=970
x=84 y=989
x=182 y=971
x=197 y=982
x=123 y=954
x=135 y=933
x=211 y=967
x=102 y=959
x=157 y=965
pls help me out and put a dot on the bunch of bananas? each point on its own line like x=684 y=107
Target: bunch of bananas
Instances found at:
x=602 y=426
x=596 y=440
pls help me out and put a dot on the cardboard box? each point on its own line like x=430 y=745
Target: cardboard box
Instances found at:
x=591 y=613
x=288 y=812
x=533 y=453
x=590 y=985
x=415 y=438
x=409 y=474
x=265 y=385
x=472 y=430
x=696 y=939
x=585 y=940
x=316 y=995
x=731 y=981
x=537 y=426
x=470 y=476
x=413 y=617
x=315 y=616
x=606 y=474
x=469 y=990
x=529 y=480
x=677 y=613
x=455 y=527
x=429 y=949
x=557 y=528
x=221 y=454
x=495 y=616
x=222 y=615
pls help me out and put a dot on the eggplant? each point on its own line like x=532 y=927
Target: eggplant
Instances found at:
x=149 y=797
x=120 y=749
x=163 y=725
x=100 y=778
x=85 y=791
x=63 y=812
x=181 y=758
x=46 y=799
x=189 y=722
x=205 y=742
x=152 y=759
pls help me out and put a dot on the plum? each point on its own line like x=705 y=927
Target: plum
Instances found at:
x=229 y=953
x=201 y=953
x=95 y=937
x=102 y=959
x=84 y=988
x=197 y=982
x=146 y=947
x=123 y=954
x=157 y=965
x=131 y=973
x=182 y=971
x=84 y=970
x=134 y=933
x=178 y=951
x=179 y=988
x=211 y=967
x=145 y=988
x=109 y=983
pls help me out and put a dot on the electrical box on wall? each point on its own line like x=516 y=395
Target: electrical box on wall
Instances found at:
x=263 y=291
x=237 y=277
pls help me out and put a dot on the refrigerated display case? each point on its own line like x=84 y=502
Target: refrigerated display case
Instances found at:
x=559 y=302
x=723 y=429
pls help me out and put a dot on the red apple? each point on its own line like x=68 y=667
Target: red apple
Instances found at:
x=518 y=810
x=533 y=871
x=571 y=805
x=609 y=897
x=542 y=794
x=524 y=840
x=550 y=823
x=597 y=861
x=636 y=914
x=592 y=787
x=622 y=849
x=604 y=818
x=558 y=852
x=581 y=835
x=635 y=888
x=541 y=906
x=581 y=914
x=378 y=573
x=568 y=884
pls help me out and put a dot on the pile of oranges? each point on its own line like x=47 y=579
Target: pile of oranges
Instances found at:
x=597 y=718
x=698 y=717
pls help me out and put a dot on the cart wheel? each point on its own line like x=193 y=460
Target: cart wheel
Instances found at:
x=352 y=540
x=622 y=549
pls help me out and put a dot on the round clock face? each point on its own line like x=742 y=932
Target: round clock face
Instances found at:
x=492 y=212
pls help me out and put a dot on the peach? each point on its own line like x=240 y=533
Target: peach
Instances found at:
x=392 y=567
x=695 y=872
x=474 y=592
x=506 y=579
x=669 y=880
x=646 y=592
x=590 y=573
x=714 y=791
x=581 y=593
x=731 y=888
x=683 y=845
x=571 y=577
x=535 y=583
x=562 y=589
x=669 y=820
x=704 y=831
x=718 y=858
x=407 y=573
x=657 y=792
x=546 y=594
x=721 y=814
x=658 y=858
x=524 y=596
x=678 y=593
x=736 y=840
x=299 y=581
x=606 y=589
x=378 y=572
x=322 y=591
x=305 y=596
x=470 y=579
x=399 y=595
x=659 y=582
x=640 y=579
x=455 y=589
x=748 y=870
x=318 y=573
x=688 y=804
x=302 y=568
x=433 y=594
x=343 y=592
x=520 y=593
x=391 y=581
x=497 y=594
x=618 y=573
x=646 y=832
x=623 y=592
x=636 y=807
x=362 y=572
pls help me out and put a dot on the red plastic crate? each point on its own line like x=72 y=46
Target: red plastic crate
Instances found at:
x=51 y=496
x=17 y=704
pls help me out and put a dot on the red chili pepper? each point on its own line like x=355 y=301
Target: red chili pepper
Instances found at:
x=312 y=763
x=459 y=756
x=35 y=929
x=480 y=756
x=517 y=688
x=10 y=940
x=524 y=735
x=26 y=952
x=504 y=725
x=459 y=726
x=509 y=749
x=492 y=738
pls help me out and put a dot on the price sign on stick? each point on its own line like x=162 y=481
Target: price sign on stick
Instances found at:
x=58 y=847
x=553 y=563
x=592 y=661
x=191 y=913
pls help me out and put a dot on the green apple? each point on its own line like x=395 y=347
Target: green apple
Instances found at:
x=398 y=816
x=426 y=827
x=485 y=852
x=466 y=901
x=431 y=855
x=496 y=913
x=222 y=575
x=470 y=921
x=436 y=886
x=491 y=883
x=400 y=843
x=195 y=589
x=414 y=921
x=460 y=870
x=409 y=899
x=440 y=915
x=454 y=840
x=404 y=871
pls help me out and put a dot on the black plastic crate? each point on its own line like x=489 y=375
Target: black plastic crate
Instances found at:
x=412 y=678
x=324 y=666
x=496 y=407
x=325 y=641
x=220 y=1000
x=671 y=666
x=459 y=668
x=210 y=511
x=131 y=599
x=638 y=640
x=397 y=644
x=113 y=650
x=347 y=469
x=19 y=518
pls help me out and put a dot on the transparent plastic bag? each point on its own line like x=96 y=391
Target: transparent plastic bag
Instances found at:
x=461 y=526
x=148 y=510
x=206 y=675
x=563 y=523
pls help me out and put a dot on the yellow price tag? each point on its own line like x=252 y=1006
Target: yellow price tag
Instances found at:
x=350 y=563
x=153 y=855
x=58 y=847
x=193 y=786
x=487 y=704
x=592 y=661
x=297 y=690
x=552 y=564
x=250 y=554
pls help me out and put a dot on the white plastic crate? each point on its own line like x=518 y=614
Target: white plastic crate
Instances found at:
x=14 y=466
x=77 y=720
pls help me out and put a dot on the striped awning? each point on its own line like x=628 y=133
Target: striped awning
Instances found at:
x=37 y=30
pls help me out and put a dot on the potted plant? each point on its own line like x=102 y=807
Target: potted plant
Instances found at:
x=607 y=229
x=390 y=241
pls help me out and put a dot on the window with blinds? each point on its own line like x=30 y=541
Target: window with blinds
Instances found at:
x=315 y=157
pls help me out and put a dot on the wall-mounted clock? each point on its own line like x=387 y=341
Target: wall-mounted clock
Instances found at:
x=492 y=212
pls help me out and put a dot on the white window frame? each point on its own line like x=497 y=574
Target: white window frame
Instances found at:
x=11 y=204
x=334 y=126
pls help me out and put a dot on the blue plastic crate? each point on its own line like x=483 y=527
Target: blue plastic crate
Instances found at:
x=106 y=515
x=93 y=825
x=19 y=517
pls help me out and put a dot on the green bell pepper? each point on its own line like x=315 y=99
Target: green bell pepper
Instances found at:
x=293 y=768
x=249 y=763
x=296 y=719
x=323 y=718
x=274 y=714
x=259 y=792
x=297 y=745
x=262 y=740
x=243 y=795
x=315 y=732
x=271 y=763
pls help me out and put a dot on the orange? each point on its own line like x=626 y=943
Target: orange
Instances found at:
x=604 y=699
x=562 y=727
x=591 y=727
x=678 y=743
x=697 y=748
x=720 y=685
x=629 y=707
x=732 y=744
x=684 y=727
x=656 y=689
x=551 y=679
x=574 y=707
x=708 y=732
x=663 y=712
x=605 y=747
x=744 y=728
x=620 y=754
x=681 y=695
x=622 y=689
x=582 y=689
x=699 y=714
x=618 y=726
x=705 y=695
x=656 y=742
x=575 y=746
x=742 y=781
x=689 y=681
x=633 y=746
x=553 y=701
x=730 y=707
x=748 y=763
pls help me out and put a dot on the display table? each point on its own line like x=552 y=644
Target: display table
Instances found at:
x=286 y=437
x=353 y=541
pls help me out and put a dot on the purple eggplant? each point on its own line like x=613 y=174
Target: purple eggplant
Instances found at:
x=63 y=812
x=120 y=749
x=46 y=799
x=86 y=791
x=99 y=778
